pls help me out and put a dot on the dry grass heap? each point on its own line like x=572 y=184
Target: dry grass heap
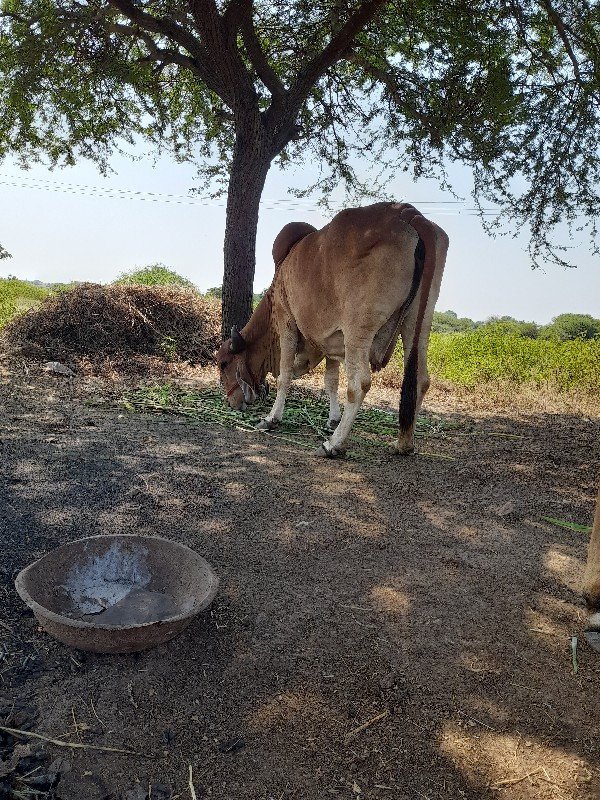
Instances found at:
x=100 y=322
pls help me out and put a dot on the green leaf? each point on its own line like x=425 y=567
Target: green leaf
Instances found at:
x=571 y=526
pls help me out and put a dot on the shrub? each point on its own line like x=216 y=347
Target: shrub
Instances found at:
x=488 y=354
x=571 y=326
x=17 y=296
x=154 y=275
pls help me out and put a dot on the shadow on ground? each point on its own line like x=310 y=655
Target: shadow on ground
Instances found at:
x=392 y=630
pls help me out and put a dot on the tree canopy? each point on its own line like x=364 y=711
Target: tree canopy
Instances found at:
x=511 y=89
x=571 y=326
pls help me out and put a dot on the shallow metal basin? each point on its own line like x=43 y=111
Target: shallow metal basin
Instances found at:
x=117 y=594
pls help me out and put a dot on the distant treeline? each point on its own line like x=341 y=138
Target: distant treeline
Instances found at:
x=562 y=328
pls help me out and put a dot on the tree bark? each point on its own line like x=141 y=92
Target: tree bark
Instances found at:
x=252 y=158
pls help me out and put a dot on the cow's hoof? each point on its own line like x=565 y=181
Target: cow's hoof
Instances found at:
x=331 y=425
x=327 y=451
x=592 y=631
x=593 y=622
x=405 y=449
x=267 y=425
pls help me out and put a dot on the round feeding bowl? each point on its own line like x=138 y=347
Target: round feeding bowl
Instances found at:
x=117 y=594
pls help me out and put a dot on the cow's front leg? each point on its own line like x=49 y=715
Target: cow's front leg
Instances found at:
x=287 y=343
x=331 y=380
x=358 y=374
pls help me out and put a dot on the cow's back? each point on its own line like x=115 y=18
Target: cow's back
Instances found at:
x=353 y=273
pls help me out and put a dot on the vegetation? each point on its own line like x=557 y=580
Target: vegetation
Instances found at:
x=562 y=356
x=571 y=326
x=122 y=321
x=154 y=275
x=217 y=293
x=303 y=424
x=17 y=296
x=562 y=327
x=488 y=354
x=510 y=89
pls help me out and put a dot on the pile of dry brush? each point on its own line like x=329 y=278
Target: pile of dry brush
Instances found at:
x=98 y=322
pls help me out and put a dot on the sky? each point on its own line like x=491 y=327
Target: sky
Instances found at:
x=74 y=224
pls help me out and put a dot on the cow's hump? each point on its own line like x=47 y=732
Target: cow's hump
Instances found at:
x=287 y=238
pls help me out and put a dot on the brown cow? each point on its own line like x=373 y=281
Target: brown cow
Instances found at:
x=344 y=294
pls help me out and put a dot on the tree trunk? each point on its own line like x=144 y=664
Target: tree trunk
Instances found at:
x=251 y=161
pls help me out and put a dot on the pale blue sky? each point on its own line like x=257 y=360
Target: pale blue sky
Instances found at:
x=73 y=224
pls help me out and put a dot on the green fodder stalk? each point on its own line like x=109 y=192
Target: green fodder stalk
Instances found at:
x=304 y=420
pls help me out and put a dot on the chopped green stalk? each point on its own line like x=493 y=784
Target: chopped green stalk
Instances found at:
x=303 y=424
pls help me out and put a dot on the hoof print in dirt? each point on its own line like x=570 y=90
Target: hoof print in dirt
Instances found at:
x=160 y=791
x=135 y=793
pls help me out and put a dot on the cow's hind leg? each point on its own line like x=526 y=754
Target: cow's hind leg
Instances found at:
x=331 y=380
x=591 y=580
x=414 y=384
x=358 y=374
x=287 y=342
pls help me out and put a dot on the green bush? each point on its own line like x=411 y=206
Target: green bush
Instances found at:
x=154 y=275
x=489 y=354
x=17 y=297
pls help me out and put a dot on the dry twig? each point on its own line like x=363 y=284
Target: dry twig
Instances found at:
x=73 y=745
x=367 y=724
x=191 y=785
x=513 y=781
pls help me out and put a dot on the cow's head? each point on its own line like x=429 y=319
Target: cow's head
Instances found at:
x=241 y=387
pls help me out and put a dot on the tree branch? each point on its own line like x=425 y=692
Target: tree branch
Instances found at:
x=168 y=27
x=220 y=34
x=281 y=116
x=560 y=29
x=239 y=15
x=157 y=53
x=337 y=47
x=386 y=77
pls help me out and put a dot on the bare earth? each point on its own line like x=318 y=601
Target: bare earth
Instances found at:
x=393 y=630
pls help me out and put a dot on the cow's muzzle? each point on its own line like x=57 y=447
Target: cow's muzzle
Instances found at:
x=247 y=390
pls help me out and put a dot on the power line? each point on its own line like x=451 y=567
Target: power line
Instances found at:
x=114 y=193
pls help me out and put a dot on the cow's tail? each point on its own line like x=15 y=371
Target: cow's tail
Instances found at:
x=425 y=263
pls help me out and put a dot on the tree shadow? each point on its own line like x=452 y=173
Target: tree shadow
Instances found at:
x=399 y=629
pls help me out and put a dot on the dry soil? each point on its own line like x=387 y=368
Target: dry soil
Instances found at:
x=393 y=630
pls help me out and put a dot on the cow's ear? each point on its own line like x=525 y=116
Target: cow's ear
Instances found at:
x=237 y=341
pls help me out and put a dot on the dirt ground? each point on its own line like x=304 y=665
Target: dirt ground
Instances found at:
x=392 y=630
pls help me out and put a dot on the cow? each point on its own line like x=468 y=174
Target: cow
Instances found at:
x=344 y=294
